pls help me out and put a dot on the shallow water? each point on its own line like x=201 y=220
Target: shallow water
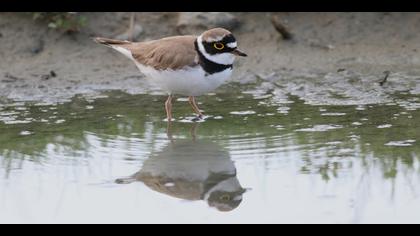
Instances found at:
x=257 y=158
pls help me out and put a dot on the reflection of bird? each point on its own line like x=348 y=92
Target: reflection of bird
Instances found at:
x=192 y=170
x=187 y=65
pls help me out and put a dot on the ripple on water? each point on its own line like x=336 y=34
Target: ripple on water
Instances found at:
x=283 y=110
x=278 y=127
x=14 y=121
x=243 y=113
x=384 y=126
x=260 y=146
x=405 y=143
x=320 y=128
x=25 y=133
x=333 y=114
x=60 y=121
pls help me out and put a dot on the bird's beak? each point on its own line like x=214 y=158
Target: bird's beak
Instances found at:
x=238 y=52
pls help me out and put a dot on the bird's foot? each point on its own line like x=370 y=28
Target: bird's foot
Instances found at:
x=169 y=120
x=198 y=118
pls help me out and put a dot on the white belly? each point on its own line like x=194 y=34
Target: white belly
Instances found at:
x=191 y=81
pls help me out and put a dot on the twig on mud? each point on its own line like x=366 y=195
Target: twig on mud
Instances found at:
x=10 y=78
x=279 y=26
x=317 y=44
x=387 y=73
x=133 y=77
x=131 y=29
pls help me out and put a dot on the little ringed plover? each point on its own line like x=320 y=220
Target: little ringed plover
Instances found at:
x=183 y=65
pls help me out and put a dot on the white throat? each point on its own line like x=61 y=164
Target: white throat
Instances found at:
x=222 y=58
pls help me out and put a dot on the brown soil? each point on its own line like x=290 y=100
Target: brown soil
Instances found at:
x=367 y=43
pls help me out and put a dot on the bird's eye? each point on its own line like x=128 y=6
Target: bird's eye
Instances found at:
x=225 y=197
x=219 y=46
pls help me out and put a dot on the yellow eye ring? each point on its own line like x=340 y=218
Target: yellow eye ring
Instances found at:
x=219 y=46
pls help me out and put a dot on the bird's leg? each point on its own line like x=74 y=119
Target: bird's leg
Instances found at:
x=169 y=132
x=168 y=107
x=193 y=131
x=194 y=106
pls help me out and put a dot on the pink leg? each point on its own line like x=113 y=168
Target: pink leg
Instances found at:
x=169 y=132
x=168 y=107
x=194 y=106
x=193 y=132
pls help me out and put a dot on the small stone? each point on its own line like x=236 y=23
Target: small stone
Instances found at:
x=197 y=22
x=38 y=47
x=53 y=74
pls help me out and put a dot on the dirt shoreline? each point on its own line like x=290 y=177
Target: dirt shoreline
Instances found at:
x=366 y=44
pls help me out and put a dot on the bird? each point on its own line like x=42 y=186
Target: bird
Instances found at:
x=194 y=170
x=186 y=65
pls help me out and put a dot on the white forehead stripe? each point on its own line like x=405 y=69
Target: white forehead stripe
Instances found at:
x=232 y=45
x=210 y=40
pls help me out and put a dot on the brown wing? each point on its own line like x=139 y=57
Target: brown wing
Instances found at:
x=172 y=52
x=183 y=189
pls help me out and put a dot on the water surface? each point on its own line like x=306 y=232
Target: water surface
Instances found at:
x=257 y=158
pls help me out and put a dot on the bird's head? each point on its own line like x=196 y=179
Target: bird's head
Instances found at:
x=219 y=45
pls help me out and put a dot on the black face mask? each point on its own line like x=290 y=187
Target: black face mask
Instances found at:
x=212 y=50
x=208 y=66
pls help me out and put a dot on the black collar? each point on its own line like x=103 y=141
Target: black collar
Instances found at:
x=208 y=66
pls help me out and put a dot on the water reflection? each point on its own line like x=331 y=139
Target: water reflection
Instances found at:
x=319 y=163
x=192 y=170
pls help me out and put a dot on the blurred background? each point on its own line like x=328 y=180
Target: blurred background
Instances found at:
x=35 y=44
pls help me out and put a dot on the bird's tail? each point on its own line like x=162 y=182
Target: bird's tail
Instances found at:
x=128 y=180
x=110 y=42
x=119 y=45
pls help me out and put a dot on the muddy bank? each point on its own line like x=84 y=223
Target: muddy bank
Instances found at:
x=330 y=55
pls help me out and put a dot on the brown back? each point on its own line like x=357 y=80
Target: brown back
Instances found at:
x=167 y=53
